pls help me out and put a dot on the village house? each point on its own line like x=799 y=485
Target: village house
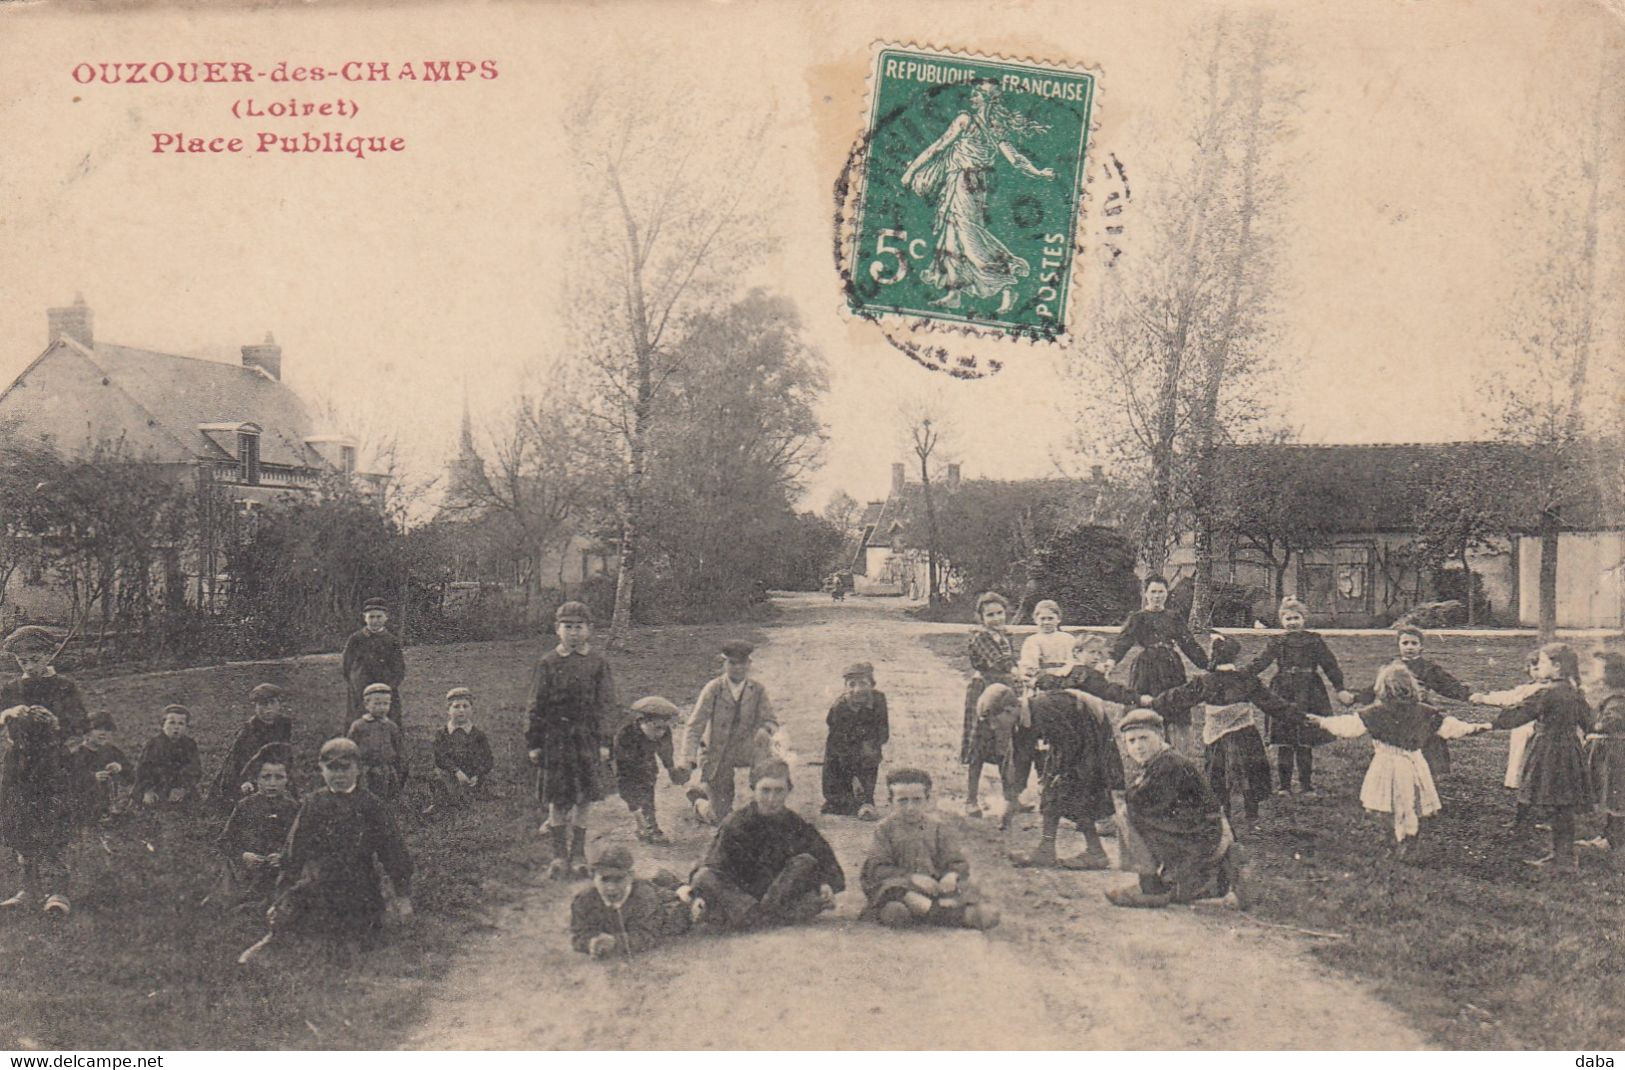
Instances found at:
x=1357 y=510
x=235 y=430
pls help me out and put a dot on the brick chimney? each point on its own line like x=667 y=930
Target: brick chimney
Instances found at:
x=73 y=321
x=267 y=357
x=897 y=479
x=953 y=476
x=1097 y=473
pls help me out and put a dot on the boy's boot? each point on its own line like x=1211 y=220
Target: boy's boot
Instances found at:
x=656 y=834
x=578 y=851
x=1045 y=855
x=1283 y=770
x=642 y=831
x=1093 y=857
x=1152 y=893
x=1237 y=877
x=559 y=867
x=1306 y=770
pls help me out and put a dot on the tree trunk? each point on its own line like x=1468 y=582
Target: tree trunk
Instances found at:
x=1550 y=528
x=934 y=595
x=1467 y=575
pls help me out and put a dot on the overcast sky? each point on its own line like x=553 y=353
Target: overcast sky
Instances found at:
x=391 y=282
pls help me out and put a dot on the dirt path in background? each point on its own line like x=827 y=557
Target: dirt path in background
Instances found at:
x=1065 y=970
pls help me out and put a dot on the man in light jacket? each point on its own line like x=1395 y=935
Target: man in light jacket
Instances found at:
x=734 y=719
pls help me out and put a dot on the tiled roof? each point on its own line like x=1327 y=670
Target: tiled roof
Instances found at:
x=180 y=393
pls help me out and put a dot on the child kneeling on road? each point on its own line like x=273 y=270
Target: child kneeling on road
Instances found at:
x=623 y=914
x=915 y=872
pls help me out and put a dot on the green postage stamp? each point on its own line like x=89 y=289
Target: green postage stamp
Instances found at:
x=968 y=199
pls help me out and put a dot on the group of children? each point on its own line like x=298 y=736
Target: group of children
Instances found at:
x=1048 y=702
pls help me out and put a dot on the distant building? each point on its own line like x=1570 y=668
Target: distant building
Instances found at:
x=1367 y=499
x=233 y=427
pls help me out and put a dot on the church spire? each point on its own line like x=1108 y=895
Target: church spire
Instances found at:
x=465 y=443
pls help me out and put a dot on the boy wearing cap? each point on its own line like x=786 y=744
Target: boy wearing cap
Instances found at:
x=733 y=718
x=622 y=914
x=572 y=706
x=106 y=764
x=766 y=865
x=340 y=840
x=915 y=872
x=169 y=770
x=379 y=741
x=858 y=729
x=640 y=749
x=40 y=684
x=257 y=830
x=372 y=655
x=267 y=724
x=1176 y=836
x=462 y=755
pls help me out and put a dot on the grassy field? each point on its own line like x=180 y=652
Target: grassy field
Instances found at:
x=142 y=965
x=1482 y=950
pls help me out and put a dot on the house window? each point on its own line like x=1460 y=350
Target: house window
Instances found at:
x=347 y=458
x=248 y=457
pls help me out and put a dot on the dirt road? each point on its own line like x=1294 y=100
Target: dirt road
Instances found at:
x=1065 y=970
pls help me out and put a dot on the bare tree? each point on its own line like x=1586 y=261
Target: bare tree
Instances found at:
x=923 y=432
x=667 y=229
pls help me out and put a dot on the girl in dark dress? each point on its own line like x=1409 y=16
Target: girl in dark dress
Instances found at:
x=1160 y=635
x=1300 y=657
x=992 y=661
x=1554 y=768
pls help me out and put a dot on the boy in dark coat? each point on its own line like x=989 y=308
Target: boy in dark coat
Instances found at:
x=1175 y=836
x=572 y=708
x=1230 y=729
x=268 y=724
x=381 y=745
x=169 y=769
x=640 y=749
x=257 y=830
x=40 y=684
x=107 y=766
x=340 y=840
x=1299 y=657
x=44 y=799
x=462 y=754
x=373 y=655
x=858 y=729
x=622 y=914
x=766 y=865
x=1082 y=769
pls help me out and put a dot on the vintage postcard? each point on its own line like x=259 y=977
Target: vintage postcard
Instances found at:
x=811 y=525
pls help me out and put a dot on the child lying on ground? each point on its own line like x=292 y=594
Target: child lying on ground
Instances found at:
x=915 y=872
x=622 y=914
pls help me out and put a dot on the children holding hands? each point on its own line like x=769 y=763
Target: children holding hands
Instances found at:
x=1300 y=658
x=915 y=872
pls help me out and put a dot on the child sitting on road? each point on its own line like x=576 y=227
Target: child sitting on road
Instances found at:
x=169 y=769
x=267 y=724
x=915 y=872
x=378 y=739
x=1231 y=727
x=257 y=830
x=1399 y=782
x=44 y=799
x=462 y=754
x=858 y=729
x=341 y=840
x=107 y=766
x=623 y=914
x=641 y=747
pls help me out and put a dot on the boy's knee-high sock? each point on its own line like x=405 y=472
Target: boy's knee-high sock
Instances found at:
x=560 y=837
x=1283 y=766
x=1306 y=767
x=578 y=842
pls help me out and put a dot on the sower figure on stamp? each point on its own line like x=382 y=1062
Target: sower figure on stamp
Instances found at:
x=373 y=655
x=572 y=702
x=40 y=684
x=734 y=718
x=766 y=865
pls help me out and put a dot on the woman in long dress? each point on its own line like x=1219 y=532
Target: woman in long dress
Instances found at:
x=955 y=171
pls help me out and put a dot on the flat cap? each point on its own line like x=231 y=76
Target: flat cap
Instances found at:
x=374 y=603
x=611 y=857
x=459 y=692
x=31 y=639
x=572 y=612
x=339 y=751
x=176 y=707
x=1141 y=719
x=274 y=753
x=737 y=650
x=265 y=693
x=102 y=721
x=859 y=670
x=655 y=706
x=376 y=689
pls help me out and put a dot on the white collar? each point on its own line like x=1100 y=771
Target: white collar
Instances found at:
x=564 y=651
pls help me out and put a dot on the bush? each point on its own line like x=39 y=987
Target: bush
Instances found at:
x=1450 y=585
x=1089 y=570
